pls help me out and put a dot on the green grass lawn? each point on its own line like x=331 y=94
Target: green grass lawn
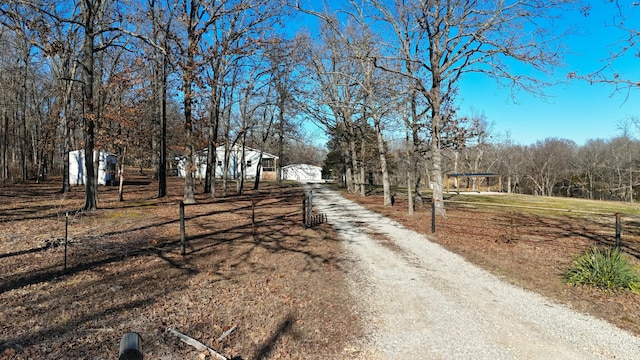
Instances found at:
x=556 y=203
x=525 y=201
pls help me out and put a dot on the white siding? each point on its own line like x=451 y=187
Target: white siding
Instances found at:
x=252 y=158
x=302 y=172
x=78 y=173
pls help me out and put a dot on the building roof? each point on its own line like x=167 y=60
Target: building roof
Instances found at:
x=237 y=148
x=474 y=175
x=302 y=165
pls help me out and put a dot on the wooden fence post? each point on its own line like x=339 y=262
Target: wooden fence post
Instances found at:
x=304 y=212
x=309 y=206
x=618 y=230
x=253 y=216
x=182 y=236
x=66 y=237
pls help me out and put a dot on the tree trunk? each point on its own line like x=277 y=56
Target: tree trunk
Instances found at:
x=214 y=124
x=409 y=195
x=363 y=190
x=66 y=187
x=121 y=186
x=5 y=145
x=436 y=155
x=243 y=168
x=188 y=79
x=280 y=141
x=348 y=177
x=225 y=167
x=89 y=105
x=382 y=153
x=256 y=182
x=162 y=166
x=354 y=165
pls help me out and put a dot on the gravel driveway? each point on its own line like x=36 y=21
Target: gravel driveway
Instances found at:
x=420 y=301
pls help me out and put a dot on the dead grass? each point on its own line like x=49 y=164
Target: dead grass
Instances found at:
x=281 y=285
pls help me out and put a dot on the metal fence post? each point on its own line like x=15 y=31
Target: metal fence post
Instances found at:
x=130 y=347
x=66 y=237
x=618 y=230
x=182 y=236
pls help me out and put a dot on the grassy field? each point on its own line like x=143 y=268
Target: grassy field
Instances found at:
x=556 y=204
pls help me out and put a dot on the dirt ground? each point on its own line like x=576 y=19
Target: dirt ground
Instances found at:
x=278 y=285
x=535 y=262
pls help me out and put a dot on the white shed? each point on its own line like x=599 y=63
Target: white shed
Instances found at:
x=106 y=167
x=234 y=170
x=302 y=172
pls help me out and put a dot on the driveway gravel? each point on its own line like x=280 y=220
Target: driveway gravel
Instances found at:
x=420 y=301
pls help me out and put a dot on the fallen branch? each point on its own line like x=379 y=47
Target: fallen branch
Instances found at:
x=197 y=344
x=227 y=333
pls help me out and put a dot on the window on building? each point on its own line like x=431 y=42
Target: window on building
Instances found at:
x=269 y=164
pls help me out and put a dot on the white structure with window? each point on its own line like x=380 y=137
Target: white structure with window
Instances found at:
x=106 y=167
x=234 y=169
x=302 y=172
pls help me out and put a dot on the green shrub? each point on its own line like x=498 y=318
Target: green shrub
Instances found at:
x=609 y=270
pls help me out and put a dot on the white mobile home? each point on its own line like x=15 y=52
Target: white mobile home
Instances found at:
x=106 y=167
x=302 y=172
x=234 y=169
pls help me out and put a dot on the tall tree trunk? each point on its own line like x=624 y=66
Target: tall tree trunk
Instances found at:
x=188 y=78
x=5 y=145
x=162 y=166
x=65 y=150
x=280 y=141
x=353 y=156
x=23 y=118
x=243 y=166
x=214 y=124
x=348 y=175
x=121 y=173
x=225 y=168
x=363 y=189
x=382 y=153
x=89 y=105
x=436 y=155
x=256 y=182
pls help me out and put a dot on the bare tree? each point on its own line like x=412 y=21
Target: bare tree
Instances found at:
x=333 y=101
x=448 y=38
x=622 y=49
x=237 y=33
x=549 y=164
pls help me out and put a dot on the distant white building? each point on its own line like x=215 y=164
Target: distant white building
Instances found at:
x=78 y=171
x=302 y=172
x=234 y=168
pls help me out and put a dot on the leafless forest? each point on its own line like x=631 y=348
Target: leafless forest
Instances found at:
x=153 y=80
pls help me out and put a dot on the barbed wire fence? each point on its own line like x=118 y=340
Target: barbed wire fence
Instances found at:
x=512 y=223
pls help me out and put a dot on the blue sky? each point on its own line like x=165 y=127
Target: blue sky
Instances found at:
x=574 y=109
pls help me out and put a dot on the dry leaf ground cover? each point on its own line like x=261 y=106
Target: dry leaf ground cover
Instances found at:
x=279 y=284
x=531 y=250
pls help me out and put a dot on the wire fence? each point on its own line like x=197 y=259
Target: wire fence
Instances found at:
x=508 y=223
x=250 y=215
